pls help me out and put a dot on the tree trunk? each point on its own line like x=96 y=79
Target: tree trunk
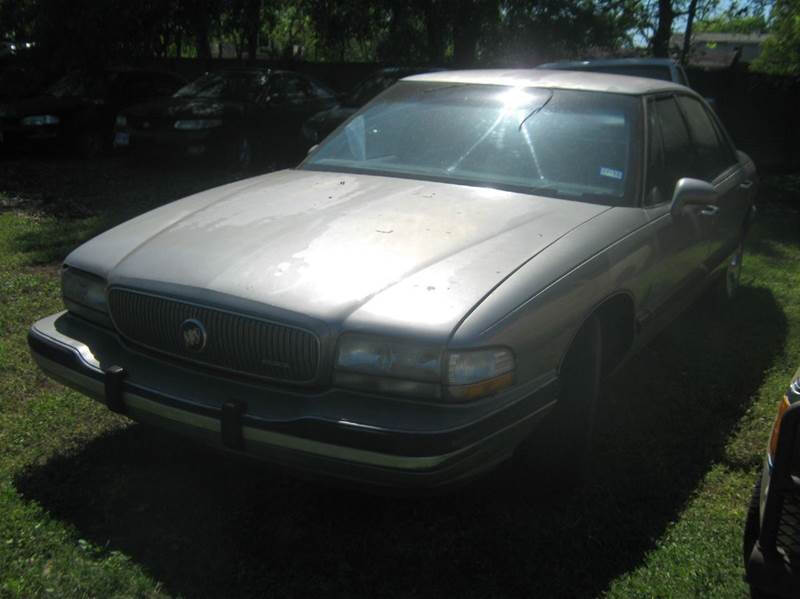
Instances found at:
x=201 y=26
x=664 y=30
x=253 y=19
x=434 y=26
x=466 y=30
x=687 y=37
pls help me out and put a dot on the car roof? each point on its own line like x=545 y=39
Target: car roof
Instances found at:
x=577 y=80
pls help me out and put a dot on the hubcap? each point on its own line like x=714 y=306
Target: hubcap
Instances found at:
x=734 y=272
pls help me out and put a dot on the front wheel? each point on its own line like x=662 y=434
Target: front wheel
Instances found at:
x=562 y=444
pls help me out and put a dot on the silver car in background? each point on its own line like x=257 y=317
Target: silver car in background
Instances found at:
x=441 y=284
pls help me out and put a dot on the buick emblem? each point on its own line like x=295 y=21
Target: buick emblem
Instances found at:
x=194 y=335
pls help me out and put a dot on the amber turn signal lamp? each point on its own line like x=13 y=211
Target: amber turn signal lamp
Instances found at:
x=776 y=428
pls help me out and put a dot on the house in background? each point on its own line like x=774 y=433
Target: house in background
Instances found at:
x=720 y=50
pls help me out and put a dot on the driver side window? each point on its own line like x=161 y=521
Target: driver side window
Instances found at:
x=670 y=150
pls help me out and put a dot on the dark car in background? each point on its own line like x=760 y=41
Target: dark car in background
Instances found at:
x=18 y=82
x=76 y=113
x=772 y=529
x=321 y=124
x=232 y=116
x=665 y=69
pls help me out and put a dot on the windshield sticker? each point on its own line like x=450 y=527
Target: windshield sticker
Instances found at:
x=610 y=172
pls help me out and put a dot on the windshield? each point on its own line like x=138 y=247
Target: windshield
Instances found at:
x=562 y=143
x=368 y=89
x=244 y=86
x=79 y=85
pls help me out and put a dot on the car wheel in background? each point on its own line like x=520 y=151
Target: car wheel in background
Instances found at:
x=751 y=532
x=751 y=527
x=90 y=144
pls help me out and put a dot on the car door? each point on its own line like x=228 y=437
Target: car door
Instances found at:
x=321 y=97
x=679 y=243
x=717 y=163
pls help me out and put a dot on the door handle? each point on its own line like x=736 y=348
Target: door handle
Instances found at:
x=746 y=184
x=709 y=210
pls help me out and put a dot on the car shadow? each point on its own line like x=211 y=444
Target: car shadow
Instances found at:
x=80 y=199
x=205 y=524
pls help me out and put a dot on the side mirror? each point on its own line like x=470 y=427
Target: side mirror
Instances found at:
x=692 y=192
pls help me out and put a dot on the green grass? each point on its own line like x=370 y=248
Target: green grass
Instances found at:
x=93 y=505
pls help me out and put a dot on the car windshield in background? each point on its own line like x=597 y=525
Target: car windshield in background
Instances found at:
x=78 y=85
x=368 y=89
x=225 y=86
x=561 y=143
x=647 y=71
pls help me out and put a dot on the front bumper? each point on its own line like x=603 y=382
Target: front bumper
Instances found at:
x=333 y=433
x=14 y=134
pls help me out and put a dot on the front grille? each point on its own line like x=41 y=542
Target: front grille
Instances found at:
x=233 y=342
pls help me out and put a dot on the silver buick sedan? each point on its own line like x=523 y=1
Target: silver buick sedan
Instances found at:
x=442 y=284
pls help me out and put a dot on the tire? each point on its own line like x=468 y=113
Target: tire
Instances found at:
x=562 y=444
x=91 y=144
x=751 y=523
x=752 y=529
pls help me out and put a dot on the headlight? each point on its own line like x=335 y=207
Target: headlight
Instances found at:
x=41 y=119
x=121 y=121
x=198 y=124
x=415 y=370
x=389 y=366
x=85 y=295
x=477 y=373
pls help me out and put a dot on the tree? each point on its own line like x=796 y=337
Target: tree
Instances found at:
x=781 y=51
x=733 y=24
x=550 y=29
x=666 y=14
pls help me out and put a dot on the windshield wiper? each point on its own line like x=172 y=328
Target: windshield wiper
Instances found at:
x=537 y=110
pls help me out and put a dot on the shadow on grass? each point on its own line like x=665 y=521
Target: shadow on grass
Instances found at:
x=76 y=200
x=207 y=525
x=54 y=238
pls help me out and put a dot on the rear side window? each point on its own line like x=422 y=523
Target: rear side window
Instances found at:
x=713 y=154
x=671 y=155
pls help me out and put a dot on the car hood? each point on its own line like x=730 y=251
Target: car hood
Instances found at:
x=356 y=251
x=174 y=108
